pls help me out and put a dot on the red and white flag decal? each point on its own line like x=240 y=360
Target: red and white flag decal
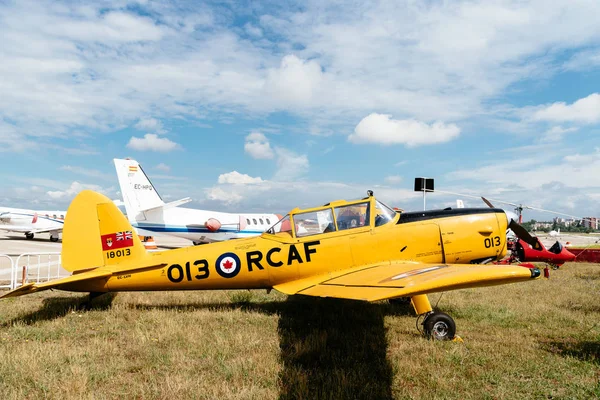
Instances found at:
x=117 y=240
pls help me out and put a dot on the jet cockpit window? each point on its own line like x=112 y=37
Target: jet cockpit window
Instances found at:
x=314 y=223
x=383 y=214
x=283 y=226
x=352 y=216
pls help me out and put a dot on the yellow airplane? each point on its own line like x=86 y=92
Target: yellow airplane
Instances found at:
x=360 y=250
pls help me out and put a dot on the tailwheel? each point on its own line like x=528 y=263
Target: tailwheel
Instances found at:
x=439 y=326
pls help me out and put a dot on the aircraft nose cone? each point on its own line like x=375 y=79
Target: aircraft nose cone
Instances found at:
x=511 y=215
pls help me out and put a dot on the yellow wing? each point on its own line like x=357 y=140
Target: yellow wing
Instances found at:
x=403 y=279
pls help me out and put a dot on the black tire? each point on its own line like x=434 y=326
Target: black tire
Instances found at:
x=439 y=326
x=29 y=236
x=54 y=238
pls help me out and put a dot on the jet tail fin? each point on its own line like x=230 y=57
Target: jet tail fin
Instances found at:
x=138 y=193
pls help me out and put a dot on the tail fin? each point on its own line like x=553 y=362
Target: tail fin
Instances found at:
x=97 y=234
x=138 y=192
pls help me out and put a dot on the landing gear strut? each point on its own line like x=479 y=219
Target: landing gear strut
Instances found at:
x=29 y=236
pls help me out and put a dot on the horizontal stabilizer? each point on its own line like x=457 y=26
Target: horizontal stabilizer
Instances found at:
x=172 y=204
x=97 y=273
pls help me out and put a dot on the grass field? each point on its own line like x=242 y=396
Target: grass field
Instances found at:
x=537 y=340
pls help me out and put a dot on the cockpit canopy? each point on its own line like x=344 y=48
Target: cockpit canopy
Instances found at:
x=333 y=217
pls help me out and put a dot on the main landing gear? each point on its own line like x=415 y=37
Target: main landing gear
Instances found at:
x=54 y=238
x=436 y=325
x=439 y=326
x=29 y=236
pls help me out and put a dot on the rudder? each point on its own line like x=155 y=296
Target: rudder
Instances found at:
x=138 y=192
x=97 y=234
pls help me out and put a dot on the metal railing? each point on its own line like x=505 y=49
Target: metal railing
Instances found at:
x=38 y=267
x=6 y=271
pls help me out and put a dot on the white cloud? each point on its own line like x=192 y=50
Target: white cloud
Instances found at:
x=393 y=179
x=556 y=133
x=257 y=146
x=86 y=172
x=290 y=165
x=152 y=142
x=295 y=81
x=95 y=67
x=163 y=167
x=75 y=188
x=236 y=178
x=585 y=110
x=221 y=195
x=381 y=129
x=150 y=125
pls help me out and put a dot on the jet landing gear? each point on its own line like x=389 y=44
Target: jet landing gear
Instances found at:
x=436 y=325
x=29 y=236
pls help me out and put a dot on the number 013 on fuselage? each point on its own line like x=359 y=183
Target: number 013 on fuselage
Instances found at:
x=360 y=250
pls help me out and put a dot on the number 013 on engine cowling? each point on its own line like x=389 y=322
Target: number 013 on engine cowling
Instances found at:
x=360 y=250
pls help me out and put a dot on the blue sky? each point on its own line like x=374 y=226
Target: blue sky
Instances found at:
x=265 y=106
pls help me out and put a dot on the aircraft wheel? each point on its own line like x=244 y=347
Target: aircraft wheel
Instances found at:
x=439 y=326
x=29 y=236
x=54 y=238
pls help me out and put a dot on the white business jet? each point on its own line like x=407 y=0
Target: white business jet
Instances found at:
x=147 y=212
x=31 y=222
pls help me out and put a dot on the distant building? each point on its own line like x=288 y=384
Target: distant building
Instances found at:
x=590 y=222
x=564 y=221
x=542 y=225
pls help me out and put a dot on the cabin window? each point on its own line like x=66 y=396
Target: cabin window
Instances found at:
x=352 y=216
x=62 y=217
x=383 y=214
x=248 y=221
x=314 y=223
x=261 y=221
x=54 y=216
x=254 y=220
x=283 y=226
x=268 y=222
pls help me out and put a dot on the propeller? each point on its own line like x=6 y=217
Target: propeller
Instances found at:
x=517 y=229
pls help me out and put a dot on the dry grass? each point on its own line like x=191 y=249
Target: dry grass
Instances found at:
x=536 y=340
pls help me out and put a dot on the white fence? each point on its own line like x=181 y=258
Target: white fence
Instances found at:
x=34 y=267
x=6 y=271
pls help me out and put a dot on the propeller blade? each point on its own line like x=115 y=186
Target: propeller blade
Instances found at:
x=486 y=201
x=523 y=234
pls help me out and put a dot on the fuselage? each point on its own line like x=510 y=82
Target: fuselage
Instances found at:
x=24 y=220
x=191 y=224
x=458 y=236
